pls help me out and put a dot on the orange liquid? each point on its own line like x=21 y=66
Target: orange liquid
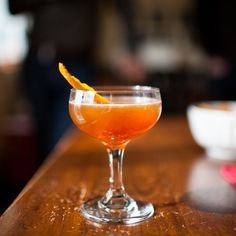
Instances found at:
x=115 y=124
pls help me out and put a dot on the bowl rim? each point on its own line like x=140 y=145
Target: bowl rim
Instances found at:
x=197 y=105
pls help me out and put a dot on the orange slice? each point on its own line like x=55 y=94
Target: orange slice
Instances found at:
x=77 y=84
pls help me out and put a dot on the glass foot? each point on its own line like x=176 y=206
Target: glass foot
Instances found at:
x=133 y=212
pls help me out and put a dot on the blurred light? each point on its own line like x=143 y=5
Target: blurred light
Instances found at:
x=13 y=43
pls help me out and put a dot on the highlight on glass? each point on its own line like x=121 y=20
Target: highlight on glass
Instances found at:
x=122 y=114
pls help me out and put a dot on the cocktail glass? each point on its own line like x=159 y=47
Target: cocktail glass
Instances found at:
x=131 y=111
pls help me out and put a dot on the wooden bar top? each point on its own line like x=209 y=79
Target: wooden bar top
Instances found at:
x=164 y=166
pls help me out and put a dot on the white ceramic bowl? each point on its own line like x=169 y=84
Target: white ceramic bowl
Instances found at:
x=213 y=126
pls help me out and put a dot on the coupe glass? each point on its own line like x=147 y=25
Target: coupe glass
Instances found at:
x=131 y=111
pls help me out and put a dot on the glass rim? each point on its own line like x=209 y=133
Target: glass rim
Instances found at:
x=120 y=89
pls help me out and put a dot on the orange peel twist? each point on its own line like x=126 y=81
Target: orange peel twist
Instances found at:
x=77 y=84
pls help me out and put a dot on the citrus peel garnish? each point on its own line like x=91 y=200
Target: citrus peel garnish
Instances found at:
x=77 y=84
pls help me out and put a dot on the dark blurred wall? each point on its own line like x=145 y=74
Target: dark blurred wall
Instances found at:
x=215 y=25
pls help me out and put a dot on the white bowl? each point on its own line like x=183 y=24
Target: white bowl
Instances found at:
x=213 y=126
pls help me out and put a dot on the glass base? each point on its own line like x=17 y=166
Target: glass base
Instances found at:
x=133 y=212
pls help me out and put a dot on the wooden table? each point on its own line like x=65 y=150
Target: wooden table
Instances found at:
x=164 y=166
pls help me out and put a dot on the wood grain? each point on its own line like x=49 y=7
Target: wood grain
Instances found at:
x=164 y=166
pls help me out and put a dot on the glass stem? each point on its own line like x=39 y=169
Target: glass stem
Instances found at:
x=116 y=177
x=116 y=198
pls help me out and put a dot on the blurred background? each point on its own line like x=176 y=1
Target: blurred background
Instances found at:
x=184 y=47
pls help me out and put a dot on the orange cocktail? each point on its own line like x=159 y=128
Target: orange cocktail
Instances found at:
x=114 y=116
x=117 y=122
